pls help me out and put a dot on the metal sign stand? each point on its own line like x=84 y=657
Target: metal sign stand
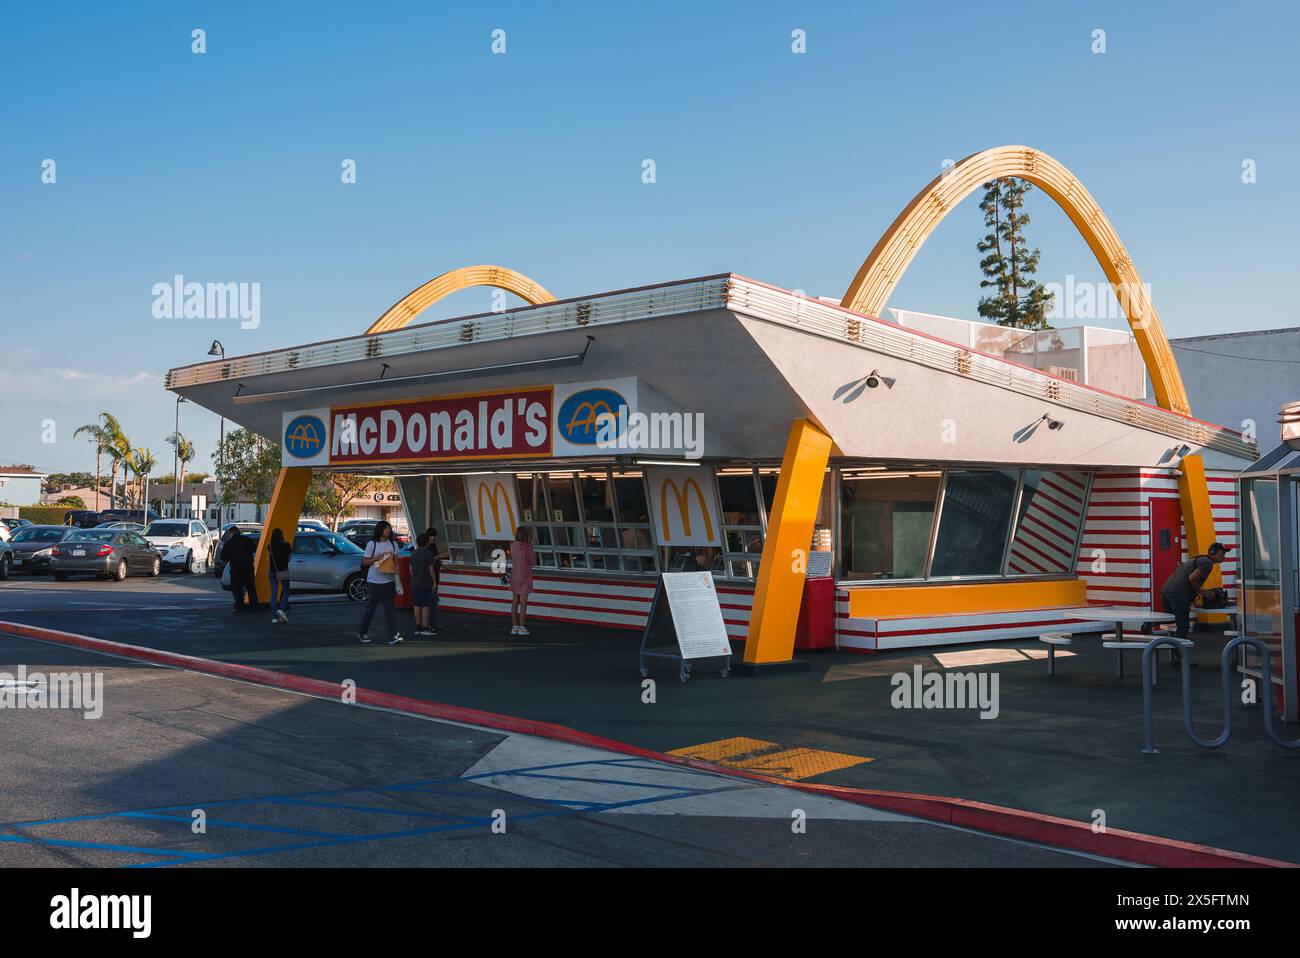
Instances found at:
x=661 y=619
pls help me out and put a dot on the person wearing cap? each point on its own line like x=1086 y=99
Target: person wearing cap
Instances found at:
x=1186 y=583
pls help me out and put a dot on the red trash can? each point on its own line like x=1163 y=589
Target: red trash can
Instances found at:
x=403 y=600
x=816 y=628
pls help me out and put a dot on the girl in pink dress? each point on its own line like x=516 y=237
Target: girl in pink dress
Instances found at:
x=522 y=560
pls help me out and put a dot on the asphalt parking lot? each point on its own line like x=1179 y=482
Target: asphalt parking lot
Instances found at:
x=281 y=779
x=1067 y=746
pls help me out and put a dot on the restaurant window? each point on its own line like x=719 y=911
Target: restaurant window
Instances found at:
x=885 y=523
x=596 y=520
x=974 y=522
x=1048 y=523
x=455 y=511
x=562 y=499
x=742 y=530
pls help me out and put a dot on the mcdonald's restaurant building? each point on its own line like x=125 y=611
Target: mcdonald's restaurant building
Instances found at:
x=895 y=489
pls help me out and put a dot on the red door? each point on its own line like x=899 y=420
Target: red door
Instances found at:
x=1166 y=543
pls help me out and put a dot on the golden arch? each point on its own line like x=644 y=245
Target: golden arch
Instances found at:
x=418 y=300
x=882 y=270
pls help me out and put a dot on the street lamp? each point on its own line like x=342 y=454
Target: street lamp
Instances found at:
x=216 y=349
x=176 y=458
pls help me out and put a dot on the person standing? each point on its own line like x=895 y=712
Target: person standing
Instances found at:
x=380 y=563
x=522 y=560
x=239 y=552
x=278 y=572
x=423 y=589
x=1184 y=585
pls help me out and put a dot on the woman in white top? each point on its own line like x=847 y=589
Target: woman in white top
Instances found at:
x=380 y=563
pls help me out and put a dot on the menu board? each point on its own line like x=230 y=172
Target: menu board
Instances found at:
x=692 y=600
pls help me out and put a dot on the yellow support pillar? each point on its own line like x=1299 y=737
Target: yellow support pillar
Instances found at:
x=1198 y=520
x=779 y=591
x=286 y=506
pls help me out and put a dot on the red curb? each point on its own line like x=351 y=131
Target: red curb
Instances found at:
x=1050 y=830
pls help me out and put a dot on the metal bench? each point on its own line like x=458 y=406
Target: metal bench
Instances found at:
x=1052 y=640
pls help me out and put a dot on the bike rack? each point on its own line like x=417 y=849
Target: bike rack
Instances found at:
x=1266 y=682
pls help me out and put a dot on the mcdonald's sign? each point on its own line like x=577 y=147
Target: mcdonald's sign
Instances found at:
x=685 y=506
x=494 y=504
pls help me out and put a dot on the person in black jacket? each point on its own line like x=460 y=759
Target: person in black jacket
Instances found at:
x=238 y=552
x=278 y=572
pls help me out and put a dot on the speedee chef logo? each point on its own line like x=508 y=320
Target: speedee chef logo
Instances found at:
x=304 y=436
x=476 y=426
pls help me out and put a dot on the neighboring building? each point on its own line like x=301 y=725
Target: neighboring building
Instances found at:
x=1239 y=379
x=21 y=487
x=85 y=493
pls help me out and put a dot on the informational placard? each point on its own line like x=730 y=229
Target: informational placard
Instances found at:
x=198 y=506
x=696 y=615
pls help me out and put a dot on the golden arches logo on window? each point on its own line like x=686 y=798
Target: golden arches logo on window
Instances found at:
x=681 y=494
x=495 y=497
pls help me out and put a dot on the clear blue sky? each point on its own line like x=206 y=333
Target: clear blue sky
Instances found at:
x=225 y=167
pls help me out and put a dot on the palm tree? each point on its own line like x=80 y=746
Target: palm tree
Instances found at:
x=109 y=437
x=143 y=461
x=184 y=453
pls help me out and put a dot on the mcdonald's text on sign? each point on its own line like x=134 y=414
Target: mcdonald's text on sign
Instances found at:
x=507 y=425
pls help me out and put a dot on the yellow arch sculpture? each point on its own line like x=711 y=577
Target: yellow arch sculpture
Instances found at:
x=883 y=268
x=418 y=300
x=292 y=485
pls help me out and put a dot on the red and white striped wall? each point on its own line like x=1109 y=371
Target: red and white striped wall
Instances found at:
x=621 y=602
x=1044 y=540
x=1115 y=555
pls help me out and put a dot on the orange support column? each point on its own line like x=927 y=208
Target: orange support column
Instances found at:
x=779 y=591
x=286 y=506
x=1198 y=520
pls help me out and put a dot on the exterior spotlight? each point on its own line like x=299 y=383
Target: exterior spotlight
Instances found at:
x=875 y=379
x=1052 y=424
x=1183 y=450
x=216 y=349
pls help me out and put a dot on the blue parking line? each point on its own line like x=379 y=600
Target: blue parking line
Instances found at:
x=314 y=799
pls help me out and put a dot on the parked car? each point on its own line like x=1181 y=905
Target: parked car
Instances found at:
x=129 y=526
x=15 y=524
x=107 y=553
x=6 y=559
x=181 y=543
x=33 y=545
x=218 y=563
x=322 y=562
x=308 y=525
x=128 y=515
x=361 y=531
x=82 y=518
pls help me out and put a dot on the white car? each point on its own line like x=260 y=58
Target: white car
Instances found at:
x=181 y=543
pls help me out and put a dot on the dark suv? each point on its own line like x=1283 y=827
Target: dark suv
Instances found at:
x=128 y=515
x=82 y=518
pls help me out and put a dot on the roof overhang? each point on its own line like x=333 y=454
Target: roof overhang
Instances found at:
x=749 y=356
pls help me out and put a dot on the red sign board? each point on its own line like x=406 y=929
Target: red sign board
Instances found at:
x=500 y=425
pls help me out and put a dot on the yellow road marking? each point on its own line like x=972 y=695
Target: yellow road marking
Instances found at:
x=770 y=758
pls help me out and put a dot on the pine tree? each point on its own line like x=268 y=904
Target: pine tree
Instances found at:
x=1009 y=264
